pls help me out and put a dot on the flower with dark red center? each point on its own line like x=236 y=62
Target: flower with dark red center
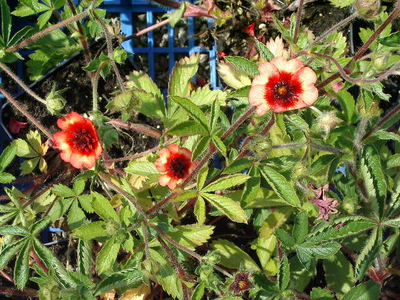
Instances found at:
x=78 y=141
x=241 y=283
x=283 y=85
x=176 y=163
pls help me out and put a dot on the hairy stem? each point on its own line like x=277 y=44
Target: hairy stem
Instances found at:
x=148 y=29
x=21 y=83
x=26 y=114
x=140 y=128
x=48 y=30
x=328 y=148
x=298 y=21
x=95 y=84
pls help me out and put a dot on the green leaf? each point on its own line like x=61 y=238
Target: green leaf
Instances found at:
x=91 y=231
x=193 y=235
x=21 y=268
x=177 y=15
x=44 y=18
x=13 y=230
x=321 y=250
x=393 y=161
x=5 y=21
x=205 y=96
x=7 y=155
x=349 y=226
x=348 y=104
x=341 y=3
x=76 y=216
x=181 y=74
x=285 y=237
x=392 y=40
x=233 y=256
x=226 y=182
x=227 y=206
x=265 y=53
x=374 y=179
x=219 y=144
x=144 y=168
x=198 y=292
x=5 y=218
x=201 y=177
x=243 y=64
x=265 y=248
x=300 y=228
x=281 y=186
x=393 y=223
x=200 y=210
x=52 y=263
x=83 y=253
x=251 y=188
x=129 y=277
x=6 y=177
x=62 y=191
x=321 y=294
x=79 y=186
x=237 y=165
x=193 y=110
x=201 y=146
x=369 y=253
x=297 y=121
x=103 y=208
x=274 y=221
x=107 y=255
x=215 y=111
x=40 y=224
x=369 y=290
x=283 y=274
x=29 y=165
x=387 y=136
x=8 y=252
x=188 y=128
x=339 y=273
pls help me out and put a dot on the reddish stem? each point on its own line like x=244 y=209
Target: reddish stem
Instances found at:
x=140 y=128
x=39 y=261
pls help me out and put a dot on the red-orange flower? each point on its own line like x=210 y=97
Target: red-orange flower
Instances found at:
x=176 y=163
x=78 y=141
x=283 y=85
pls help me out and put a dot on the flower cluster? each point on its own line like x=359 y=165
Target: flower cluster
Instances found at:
x=176 y=163
x=78 y=141
x=283 y=85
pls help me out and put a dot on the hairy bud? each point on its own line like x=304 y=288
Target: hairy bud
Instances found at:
x=55 y=102
x=380 y=61
x=367 y=8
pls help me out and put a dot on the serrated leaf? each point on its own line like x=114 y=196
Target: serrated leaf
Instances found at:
x=281 y=186
x=374 y=179
x=201 y=177
x=349 y=226
x=8 y=252
x=5 y=218
x=188 y=128
x=102 y=206
x=339 y=273
x=369 y=290
x=219 y=144
x=200 y=210
x=177 y=15
x=387 y=136
x=243 y=64
x=300 y=227
x=233 y=256
x=129 y=277
x=227 y=206
x=52 y=263
x=265 y=249
x=215 y=111
x=76 y=216
x=13 y=230
x=83 y=253
x=283 y=274
x=274 y=221
x=321 y=250
x=145 y=168
x=321 y=294
x=266 y=54
x=198 y=292
x=286 y=239
x=237 y=166
x=297 y=121
x=205 y=96
x=201 y=146
x=393 y=161
x=6 y=177
x=29 y=165
x=79 y=186
x=369 y=253
x=62 y=191
x=193 y=110
x=5 y=21
x=192 y=236
x=7 y=156
x=43 y=18
x=40 y=225
x=21 y=268
x=181 y=74
x=393 y=223
x=226 y=182
x=347 y=103
x=107 y=255
x=91 y=231
x=252 y=187
x=392 y=40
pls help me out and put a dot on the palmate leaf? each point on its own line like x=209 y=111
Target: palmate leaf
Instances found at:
x=226 y=182
x=13 y=230
x=103 y=208
x=181 y=74
x=5 y=21
x=107 y=255
x=227 y=206
x=192 y=236
x=91 y=230
x=374 y=179
x=8 y=252
x=369 y=253
x=21 y=268
x=83 y=253
x=129 y=277
x=193 y=110
x=233 y=256
x=369 y=290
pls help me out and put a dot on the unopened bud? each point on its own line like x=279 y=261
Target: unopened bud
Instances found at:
x=379 y=61
x=55 y=102
x=327 y=121
x=367 y=8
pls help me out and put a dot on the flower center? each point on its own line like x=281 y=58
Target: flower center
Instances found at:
x=83 y=141
x=178 y=167
x=282 y=90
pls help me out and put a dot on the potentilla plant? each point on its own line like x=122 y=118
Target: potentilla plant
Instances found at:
x=282 y=185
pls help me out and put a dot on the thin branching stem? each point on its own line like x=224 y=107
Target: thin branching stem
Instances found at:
x=140 y=128
x=328 y=148
x=298 y=21
x=26 y=114
x=21 y=83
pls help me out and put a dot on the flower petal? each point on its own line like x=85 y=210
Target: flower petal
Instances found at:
x=186 y=153
x=164 y=180
x=172 y=183
x=174 y=148
x=309 y=96
x=160 y=165
x=257 y=95
x=70 y=119
x=289 y=66
x=262 y=109
x=306 y=76
x=267 y=69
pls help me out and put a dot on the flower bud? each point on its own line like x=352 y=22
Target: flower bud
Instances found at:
x=379 y=61
x=327 y=121
x=55 y=102
x=367 y=8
